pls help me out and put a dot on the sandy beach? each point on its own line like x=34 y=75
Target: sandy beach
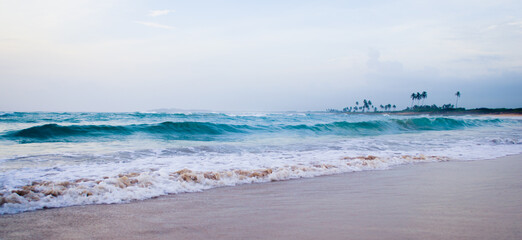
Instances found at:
x=260 y=120
x=445 y=200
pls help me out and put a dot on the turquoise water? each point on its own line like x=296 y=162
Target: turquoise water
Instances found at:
x=79 y=127
x=63 y=159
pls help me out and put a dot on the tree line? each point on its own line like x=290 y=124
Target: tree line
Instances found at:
x=367 y=105
x=421 y=107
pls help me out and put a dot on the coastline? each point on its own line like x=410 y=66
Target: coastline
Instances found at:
x=470 y=113
x=444 y=200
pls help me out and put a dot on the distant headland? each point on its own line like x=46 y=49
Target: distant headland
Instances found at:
x=367 y=107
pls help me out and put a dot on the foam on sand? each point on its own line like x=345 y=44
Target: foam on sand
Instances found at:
x=129 y=186
x=450 y=200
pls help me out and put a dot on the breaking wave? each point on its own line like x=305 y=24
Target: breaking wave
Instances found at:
x=99 y=158
x=170 y=130
x=128 y=186
x=206 y=131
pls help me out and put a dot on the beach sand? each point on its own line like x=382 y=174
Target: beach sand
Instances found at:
x=446 y=200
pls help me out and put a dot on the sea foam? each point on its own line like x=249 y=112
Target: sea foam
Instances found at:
x=63 y=159
x=146 y=183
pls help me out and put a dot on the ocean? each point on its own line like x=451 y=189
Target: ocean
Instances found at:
x=63 y=159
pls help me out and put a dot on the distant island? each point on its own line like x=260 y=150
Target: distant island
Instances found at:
x=367 y=106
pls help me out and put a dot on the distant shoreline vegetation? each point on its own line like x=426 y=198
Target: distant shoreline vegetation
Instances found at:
x=367 y=106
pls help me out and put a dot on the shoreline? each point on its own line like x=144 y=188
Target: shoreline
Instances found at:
x=445 y=200
x=401 y=113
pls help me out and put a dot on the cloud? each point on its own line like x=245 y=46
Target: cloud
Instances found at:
x=515 y=24
x=374 y=63
x=155 y=13
x=482 y=58
x=492 y=27
x=155 y=25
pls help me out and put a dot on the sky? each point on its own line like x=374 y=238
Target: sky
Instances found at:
x=115 y=55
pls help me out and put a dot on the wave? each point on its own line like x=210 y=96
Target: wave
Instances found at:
x=77 y=117
x=174 y=130
x=207 y=131
x=138 y=185
x=392 y=126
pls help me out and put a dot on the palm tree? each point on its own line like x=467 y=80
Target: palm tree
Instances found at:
x=413 y=97
x=418 y=97
x=394 y=107
x=458 y=96
x=365 y=105
x=424 y=95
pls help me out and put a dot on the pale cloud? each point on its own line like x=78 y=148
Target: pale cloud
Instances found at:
x=509 y=24
x=382 y=67
x=518 y=24
x=492 y=27
x=155 y=13
x=154 y=25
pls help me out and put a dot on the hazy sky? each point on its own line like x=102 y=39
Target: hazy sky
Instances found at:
x=257 y=55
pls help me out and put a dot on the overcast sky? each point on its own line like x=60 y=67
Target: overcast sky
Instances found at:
x=257 y=55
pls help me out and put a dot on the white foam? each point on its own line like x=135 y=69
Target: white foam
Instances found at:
x=66 y=174
x=142 y=180
x=152 y=175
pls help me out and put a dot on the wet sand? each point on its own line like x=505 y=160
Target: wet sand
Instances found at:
x=446 y=200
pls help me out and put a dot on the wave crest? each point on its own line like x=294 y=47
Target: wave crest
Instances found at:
x=207 y=131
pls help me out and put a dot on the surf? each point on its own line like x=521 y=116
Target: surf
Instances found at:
x=209 y=131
